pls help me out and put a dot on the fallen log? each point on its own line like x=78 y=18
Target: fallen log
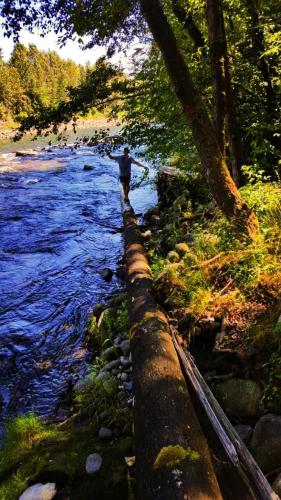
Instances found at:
x=173 y=460
x=235 y=449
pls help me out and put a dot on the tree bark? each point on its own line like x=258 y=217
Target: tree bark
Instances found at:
x=215 y=169
x=232 y=125
x=217 y=57
x=164 y=414
x=225 y=121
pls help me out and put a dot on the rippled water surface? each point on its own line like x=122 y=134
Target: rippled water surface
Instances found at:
x=60 y=226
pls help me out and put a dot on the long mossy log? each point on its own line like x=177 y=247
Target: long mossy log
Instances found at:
x=172 y=456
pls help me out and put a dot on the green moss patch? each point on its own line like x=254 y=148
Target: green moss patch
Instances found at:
x=171 y=456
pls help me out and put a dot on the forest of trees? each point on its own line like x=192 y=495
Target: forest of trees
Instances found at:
x=33 y=78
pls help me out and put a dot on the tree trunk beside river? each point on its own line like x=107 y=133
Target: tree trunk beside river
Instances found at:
x=214 y=166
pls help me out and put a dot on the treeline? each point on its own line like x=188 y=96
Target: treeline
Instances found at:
x=33 y=78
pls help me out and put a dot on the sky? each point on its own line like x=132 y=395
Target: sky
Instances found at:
x=70 y=51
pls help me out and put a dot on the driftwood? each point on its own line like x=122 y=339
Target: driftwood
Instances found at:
x=164 y=414
x=234 y=447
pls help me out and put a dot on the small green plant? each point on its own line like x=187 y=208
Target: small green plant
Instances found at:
x=122 y=320
x=22 y=434
x=254 y=173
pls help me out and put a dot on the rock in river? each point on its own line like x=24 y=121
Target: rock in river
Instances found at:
x=26 y=152
x=88 y=167
x=106 y=274
x=266 y=442
x=239 y=397
x=39 y=491
x=93 y=463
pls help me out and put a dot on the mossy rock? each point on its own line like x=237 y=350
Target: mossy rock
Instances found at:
x=109 y=354
x=173 y=256
x=239 y=397
x=182 y=249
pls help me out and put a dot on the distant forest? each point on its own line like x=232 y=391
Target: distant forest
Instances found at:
x=33 y=78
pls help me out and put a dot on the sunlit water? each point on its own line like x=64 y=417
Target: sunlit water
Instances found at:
x=60 y=226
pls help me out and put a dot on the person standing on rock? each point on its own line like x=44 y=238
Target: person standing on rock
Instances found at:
x=125 y=162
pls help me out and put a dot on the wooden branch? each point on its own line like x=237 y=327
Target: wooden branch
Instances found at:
x=246 y=465
x=167 y=431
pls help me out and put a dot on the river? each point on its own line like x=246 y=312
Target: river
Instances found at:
x=60 y=226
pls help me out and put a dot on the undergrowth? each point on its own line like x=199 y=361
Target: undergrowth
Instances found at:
x=219 y=275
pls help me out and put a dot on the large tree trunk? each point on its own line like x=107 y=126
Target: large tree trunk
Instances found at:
x=165 y=422
x=216 y=172
x=233 y=130
x=217 y=58
x=224 y=114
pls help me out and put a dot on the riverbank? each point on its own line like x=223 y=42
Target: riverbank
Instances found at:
x=8 y=129
x=90 y=452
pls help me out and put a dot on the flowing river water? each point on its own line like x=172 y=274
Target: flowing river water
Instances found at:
x=60 y=226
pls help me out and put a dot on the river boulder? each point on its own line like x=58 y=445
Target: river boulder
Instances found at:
x=39 y=491
x=239 y=397
x=266 y=442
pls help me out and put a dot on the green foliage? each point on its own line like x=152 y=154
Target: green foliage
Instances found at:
x=100 y=397
x=111 y=322
x=21 y=435
x=217 y=259
x=25 y=437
